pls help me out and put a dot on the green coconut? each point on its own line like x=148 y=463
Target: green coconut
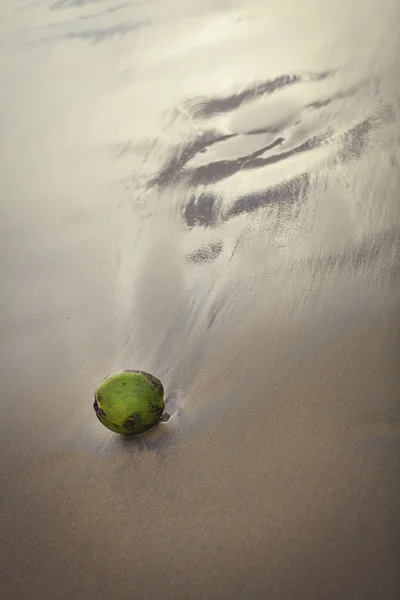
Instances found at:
x=129 y=402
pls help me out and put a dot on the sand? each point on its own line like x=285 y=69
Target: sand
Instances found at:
x=209 y=193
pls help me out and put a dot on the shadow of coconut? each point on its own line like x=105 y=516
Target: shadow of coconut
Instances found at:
x=173 y=426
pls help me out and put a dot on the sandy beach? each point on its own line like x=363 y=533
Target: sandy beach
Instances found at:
x=208 y=191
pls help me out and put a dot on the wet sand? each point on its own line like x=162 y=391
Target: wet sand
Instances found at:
x=209 y=192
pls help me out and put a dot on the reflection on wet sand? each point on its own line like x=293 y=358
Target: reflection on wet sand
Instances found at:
x=275 y=132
